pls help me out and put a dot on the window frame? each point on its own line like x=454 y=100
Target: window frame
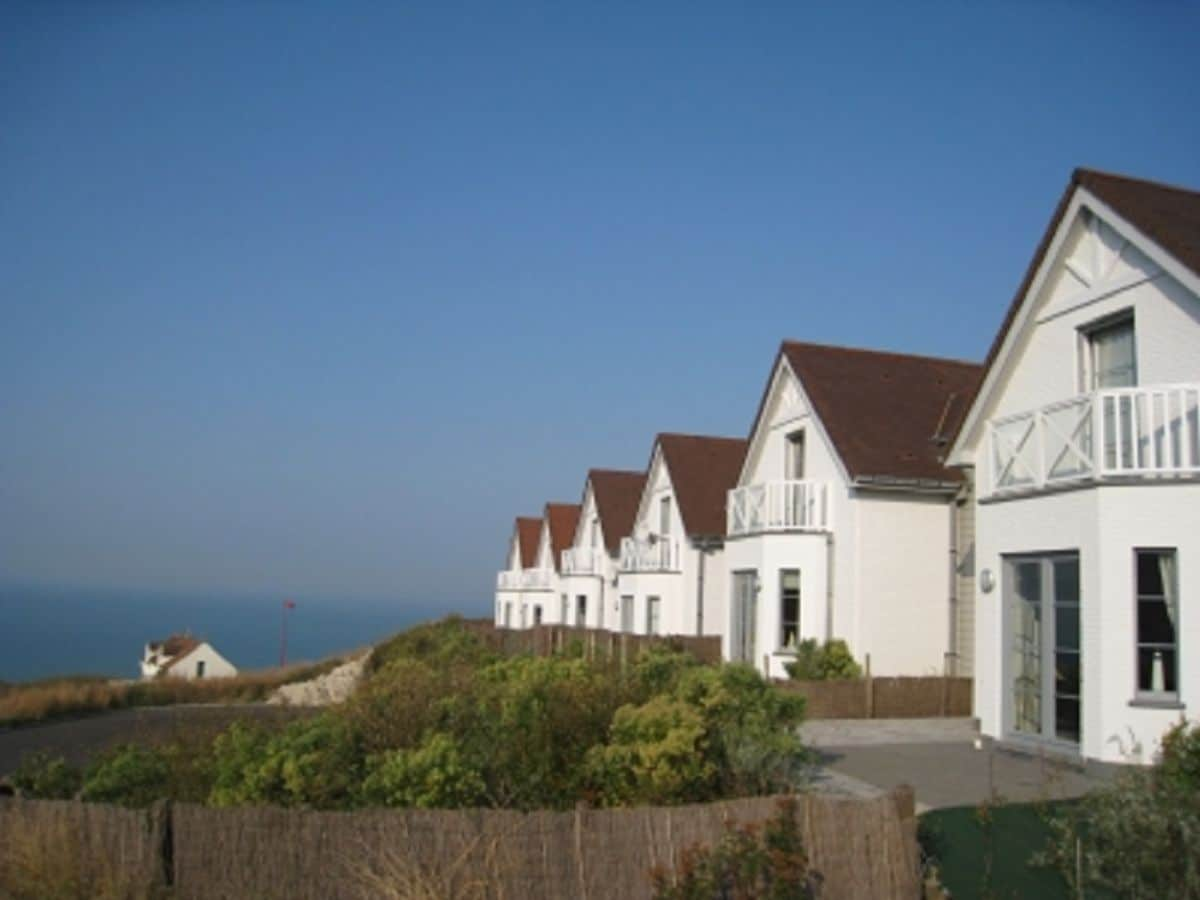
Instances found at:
x=1087 y=348
x=783 y=625
x=795 y=446
x=1152 y=697
x=653 y=614
x=581 y=610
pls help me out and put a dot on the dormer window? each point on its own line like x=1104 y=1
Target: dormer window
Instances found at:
x=1109 y=354
x=595 y=539
x=664 y=516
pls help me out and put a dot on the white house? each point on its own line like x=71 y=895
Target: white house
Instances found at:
x=183 y=656
x=522 y=553
x=589 y=566
x=671 y=573
x=1084 y=443
x=543 y=596
x=844 y=520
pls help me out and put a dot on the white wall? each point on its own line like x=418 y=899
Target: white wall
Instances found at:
x=215 y=665
x=903 y=587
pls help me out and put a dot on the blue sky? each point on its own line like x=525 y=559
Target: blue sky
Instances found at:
x=314 y=299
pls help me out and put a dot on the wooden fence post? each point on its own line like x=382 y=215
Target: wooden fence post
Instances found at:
x=870 y=687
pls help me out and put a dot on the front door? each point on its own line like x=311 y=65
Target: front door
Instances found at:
x=1043 y=657
x=743 y=626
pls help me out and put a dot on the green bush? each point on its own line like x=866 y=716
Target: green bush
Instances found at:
x=47 y=777
x=832 y=661
x=434 y=775
x=129 y=775
x=1138 y=837
x=767 y=862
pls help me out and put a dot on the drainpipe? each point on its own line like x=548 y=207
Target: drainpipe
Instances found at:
x=829 y=586
x=703 y=545
x=952 y=644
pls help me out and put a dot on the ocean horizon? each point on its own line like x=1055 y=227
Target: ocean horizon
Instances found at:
x=53 y=631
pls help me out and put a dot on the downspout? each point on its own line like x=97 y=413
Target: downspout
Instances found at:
x=700 y=593
x=951 y=664
x=829 y=561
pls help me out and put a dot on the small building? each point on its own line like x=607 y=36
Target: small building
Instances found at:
x=184 y=656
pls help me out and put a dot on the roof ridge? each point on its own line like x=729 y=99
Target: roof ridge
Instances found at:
x=703 y=437
x=1083 y=172
x=871 y=351
x=637 y=472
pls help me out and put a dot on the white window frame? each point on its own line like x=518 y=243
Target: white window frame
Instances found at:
x=653 y=614
x=783 y=645
x=1087 y=347
x=1150 y=695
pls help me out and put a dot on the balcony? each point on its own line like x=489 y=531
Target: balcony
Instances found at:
x=583 y=561
x=509 y=580
x=537 y=579
x=773 y=506
x=1148 y=433
x=653 y=554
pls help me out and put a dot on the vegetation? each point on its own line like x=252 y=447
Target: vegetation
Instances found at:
x=749 y=862
x=442 y=721
x=816 y=662
x=1137 y=838
x=54 y=698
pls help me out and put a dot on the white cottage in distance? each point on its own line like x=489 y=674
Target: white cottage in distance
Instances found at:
x=671 y=575
x=527 y=590
x=510 y=581
x=183 y=656
x=590 y=565
x=1084 y=445
x=844 y=521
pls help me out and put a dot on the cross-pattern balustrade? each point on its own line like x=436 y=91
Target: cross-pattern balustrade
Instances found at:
x=778 y=506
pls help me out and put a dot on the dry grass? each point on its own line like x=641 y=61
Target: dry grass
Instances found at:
x=55 y=698
x=394 y=874
x=45 y=861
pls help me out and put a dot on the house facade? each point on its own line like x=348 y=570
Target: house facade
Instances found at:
x=671 y=572
x=510 y=581
x=843 y=521
x=184 y=656
x=1084 y=446
x=590 y=564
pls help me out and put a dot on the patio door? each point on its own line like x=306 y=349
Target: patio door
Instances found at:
x=1043 y=652
x=744 y=623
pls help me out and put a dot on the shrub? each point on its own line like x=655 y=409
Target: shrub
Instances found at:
x=832 y=661
x=1137 y=837
x=767 y=862
x=47 y=777
x=442 y=643
x=128 y=775
x=434 y=775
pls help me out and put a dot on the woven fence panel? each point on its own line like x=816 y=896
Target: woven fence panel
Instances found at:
x=918 y=698
x=862 y=848
x=49 y=847
x=830 y=699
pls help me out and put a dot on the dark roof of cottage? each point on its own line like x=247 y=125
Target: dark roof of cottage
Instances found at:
x=702 y=470
x=529 y=530
x=889 y=415
x=617 y=494
x=561 y=518
x=1168 y=215
x=174 y=649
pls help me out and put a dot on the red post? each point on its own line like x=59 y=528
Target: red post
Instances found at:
x=287 y=604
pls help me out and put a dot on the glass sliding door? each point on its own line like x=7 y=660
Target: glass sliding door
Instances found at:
x=1044 y=653
x=744 y=616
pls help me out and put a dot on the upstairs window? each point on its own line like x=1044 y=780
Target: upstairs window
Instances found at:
x=664 y=516
x=1109 y=354
x=794 y=461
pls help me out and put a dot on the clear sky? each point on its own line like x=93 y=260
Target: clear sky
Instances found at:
x=315 y=298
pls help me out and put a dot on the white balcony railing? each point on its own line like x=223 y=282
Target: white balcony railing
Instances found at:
x=1138 y=432
x=654 y=554
x=778 y=506
x=583 y=561
x=509 y=580
x=537 y=579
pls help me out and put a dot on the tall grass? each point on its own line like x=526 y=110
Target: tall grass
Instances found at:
x=59 y=697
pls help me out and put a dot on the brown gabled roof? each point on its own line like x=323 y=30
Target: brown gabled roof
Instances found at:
x=175 y=648
x=561 y=518
x=617 y=494
x=1168 y=215
x=529 y=530
x=889 y=415
x=702 y=470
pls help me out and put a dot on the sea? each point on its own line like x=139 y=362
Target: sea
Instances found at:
x=47 y=632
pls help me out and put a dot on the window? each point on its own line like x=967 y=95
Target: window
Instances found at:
x=664 y=515
x=595 y=541
x=794 y=463
x=508 y=615
x=537 y=615
x=1110 y=356
x=562 y=609
x=581 y=610
x=789 y=608
x=653 y=605
x=1157 y=623
x=627 y=614
x=199 y=668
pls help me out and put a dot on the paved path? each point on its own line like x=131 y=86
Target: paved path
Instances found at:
x=938 y=757
x=80 y=739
